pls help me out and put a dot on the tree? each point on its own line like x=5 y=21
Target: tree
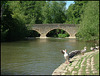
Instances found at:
x=54 y=12
x=3 y=6
x=12 y=26
x=46 y=13
x=89 y=26
x=17 y=10
x=28 y=11
x=75 y=11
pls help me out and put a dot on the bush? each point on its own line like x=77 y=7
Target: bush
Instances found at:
x=89 y=26
x=12 y=28
x=61 y=35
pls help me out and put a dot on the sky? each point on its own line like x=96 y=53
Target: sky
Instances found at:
x=68 y=3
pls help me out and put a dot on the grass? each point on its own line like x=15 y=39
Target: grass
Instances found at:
x=70 y=64
x=79 y=65
x=75 y=69
x=84 y=68
x=96 y=61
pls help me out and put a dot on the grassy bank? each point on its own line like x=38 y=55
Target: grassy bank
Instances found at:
x=96 y=60
x=87 y=64
x=83 y=72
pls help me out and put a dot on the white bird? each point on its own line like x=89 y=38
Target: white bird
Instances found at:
x=83 y=51
x=70 y=55
x=66 y=56
x=97 y=47
x=94 y=48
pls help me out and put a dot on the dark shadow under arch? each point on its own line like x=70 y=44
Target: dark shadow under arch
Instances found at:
x=57 y=33
x=33 y=33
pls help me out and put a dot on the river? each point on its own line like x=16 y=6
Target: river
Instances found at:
x=36 y=56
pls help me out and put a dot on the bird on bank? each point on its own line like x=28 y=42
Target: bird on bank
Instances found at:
x=70 y=55
x=83 y=51
x=97 y=47
x=65 y=56
x=94 y=48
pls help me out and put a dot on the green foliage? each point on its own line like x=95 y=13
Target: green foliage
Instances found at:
x=75 y=11
x=12 y=28
x=3 y=35
x=96 y=60
x=89 y=26
x=28 y=11
x=46 y=13
x=61 y=35
x=54 y=12
x=58 y=33
x=32 y=33
x=16 y=14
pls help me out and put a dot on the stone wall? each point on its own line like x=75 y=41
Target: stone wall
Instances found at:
x=43 y=29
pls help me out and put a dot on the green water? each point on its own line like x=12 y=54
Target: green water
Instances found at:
x=36 y=56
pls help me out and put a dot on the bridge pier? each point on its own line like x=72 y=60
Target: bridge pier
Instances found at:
x=43 y=29
x=43 y=36
x=72 y=36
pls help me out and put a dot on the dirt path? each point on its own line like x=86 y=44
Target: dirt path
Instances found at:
x=81 y=64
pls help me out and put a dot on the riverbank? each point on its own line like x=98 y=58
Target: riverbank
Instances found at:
x=87 y=64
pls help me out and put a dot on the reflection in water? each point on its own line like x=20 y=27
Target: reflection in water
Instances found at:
x=36 y=56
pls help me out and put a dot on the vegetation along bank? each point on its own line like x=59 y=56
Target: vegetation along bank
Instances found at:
x=16 y=14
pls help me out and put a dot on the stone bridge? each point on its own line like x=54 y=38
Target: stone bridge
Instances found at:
x=43 y=29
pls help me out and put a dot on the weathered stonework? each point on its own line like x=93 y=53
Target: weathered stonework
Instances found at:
x=43 y=29
x=75 y=69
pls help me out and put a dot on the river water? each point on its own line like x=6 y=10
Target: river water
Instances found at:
x=36 y=56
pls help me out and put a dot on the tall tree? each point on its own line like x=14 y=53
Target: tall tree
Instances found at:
x=47 y=13
x=54 y=12
x=12 y=26
x=3 y=7
x=75 y=11
x=89 y=26
x=29 y=11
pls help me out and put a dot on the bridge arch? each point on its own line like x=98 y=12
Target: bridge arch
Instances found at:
x=33 y=33
x=56 y=29
x=43 y=29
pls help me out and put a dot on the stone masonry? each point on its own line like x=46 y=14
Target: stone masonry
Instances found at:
x=43 y=29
